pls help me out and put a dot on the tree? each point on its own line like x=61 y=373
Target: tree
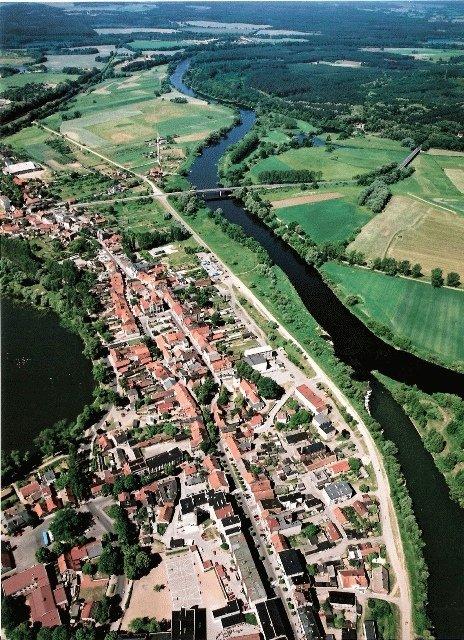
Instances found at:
x=416 y=270
x=14 y=611
x=206 y=391
x=437 y=278
x=355 y=464
x=85 y=633
x=311 y=530
x=111 y=561
x=43 y=555
x=22 y=632
x=88 y=569
x=68 y=524
x=453 y=279
x=101 y=611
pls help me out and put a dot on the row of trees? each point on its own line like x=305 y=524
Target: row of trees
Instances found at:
x=267 y=387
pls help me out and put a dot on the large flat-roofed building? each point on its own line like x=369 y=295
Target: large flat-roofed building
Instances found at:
x=260 y=358
x=311 y=625
x=189 y=624
x=21 y=167
x=273 y=620
x=252 y=583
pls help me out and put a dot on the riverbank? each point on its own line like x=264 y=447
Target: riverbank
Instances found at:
x=260 y=290
x=439 y=420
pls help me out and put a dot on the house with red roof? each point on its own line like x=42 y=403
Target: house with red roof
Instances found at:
x=310 y=400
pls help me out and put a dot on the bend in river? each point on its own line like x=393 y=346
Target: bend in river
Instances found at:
x=45 y=376
x=440 y=518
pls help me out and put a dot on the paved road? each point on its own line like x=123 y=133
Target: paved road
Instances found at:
x=388 y=515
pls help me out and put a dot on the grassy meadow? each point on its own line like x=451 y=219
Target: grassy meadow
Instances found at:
x=430 y=318
x=349 y=158
x=332 y=220
x=50 y=79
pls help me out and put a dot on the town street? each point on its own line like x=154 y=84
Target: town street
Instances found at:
x=388 y=516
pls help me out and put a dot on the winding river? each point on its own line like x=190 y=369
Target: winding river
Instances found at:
x=440 y=518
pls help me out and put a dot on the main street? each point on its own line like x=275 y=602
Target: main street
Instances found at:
x=389 y=520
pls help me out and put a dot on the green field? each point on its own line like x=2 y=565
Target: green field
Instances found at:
x=434 y=55
x=120 y=116
x=20 y=79
x=327 y=221
x=145 y=45
x=430 y=181
x=349 y=158
x=430 y=318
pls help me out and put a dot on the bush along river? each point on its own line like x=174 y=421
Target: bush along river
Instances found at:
x=45 y=377
x=440 y=518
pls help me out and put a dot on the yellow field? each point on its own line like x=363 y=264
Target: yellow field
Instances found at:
x=414 y=230
x=304 y=199
x=457 y=178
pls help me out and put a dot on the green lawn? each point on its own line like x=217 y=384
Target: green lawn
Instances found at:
x=350 y=158
x=326 y=221
x=430 y=318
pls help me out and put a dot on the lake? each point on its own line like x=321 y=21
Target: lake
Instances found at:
x=45 y=376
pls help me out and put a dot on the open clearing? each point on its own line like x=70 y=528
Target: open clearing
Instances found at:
x=411 y=229
x=305 y=199
x=457 y=178
x=426 y=54
x=431 y=318
x=329 y=220
x=121 y=118
x=49 y=79
x=147 y=602
x=348 y=159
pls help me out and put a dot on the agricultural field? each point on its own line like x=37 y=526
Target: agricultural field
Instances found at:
x=56 y=62
x=437 y=178
x=32 y=142
x=326 y=217
x=141 y=45
x=120 y=117
x=14 y=59
x=434 y=55
x=413 y=229
x=20 y=79
x=430 y=318
x=349 y=158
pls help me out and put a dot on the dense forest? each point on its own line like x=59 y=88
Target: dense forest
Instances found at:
x=395 y=95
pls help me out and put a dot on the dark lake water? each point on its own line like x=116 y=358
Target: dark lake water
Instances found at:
x=45 y=377
x=440 y=518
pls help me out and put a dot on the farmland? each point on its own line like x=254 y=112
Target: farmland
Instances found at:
x=329 y=220
x=20 y=79
x=433 y=55
x=415 y=230
x=121 y=115
x=142 y=45
x=347 y=159
x=430 y=318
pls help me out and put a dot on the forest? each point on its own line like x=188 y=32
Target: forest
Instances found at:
x=395 y=95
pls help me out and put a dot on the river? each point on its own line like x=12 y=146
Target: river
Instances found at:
x=45 y=377
x=439 y=517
